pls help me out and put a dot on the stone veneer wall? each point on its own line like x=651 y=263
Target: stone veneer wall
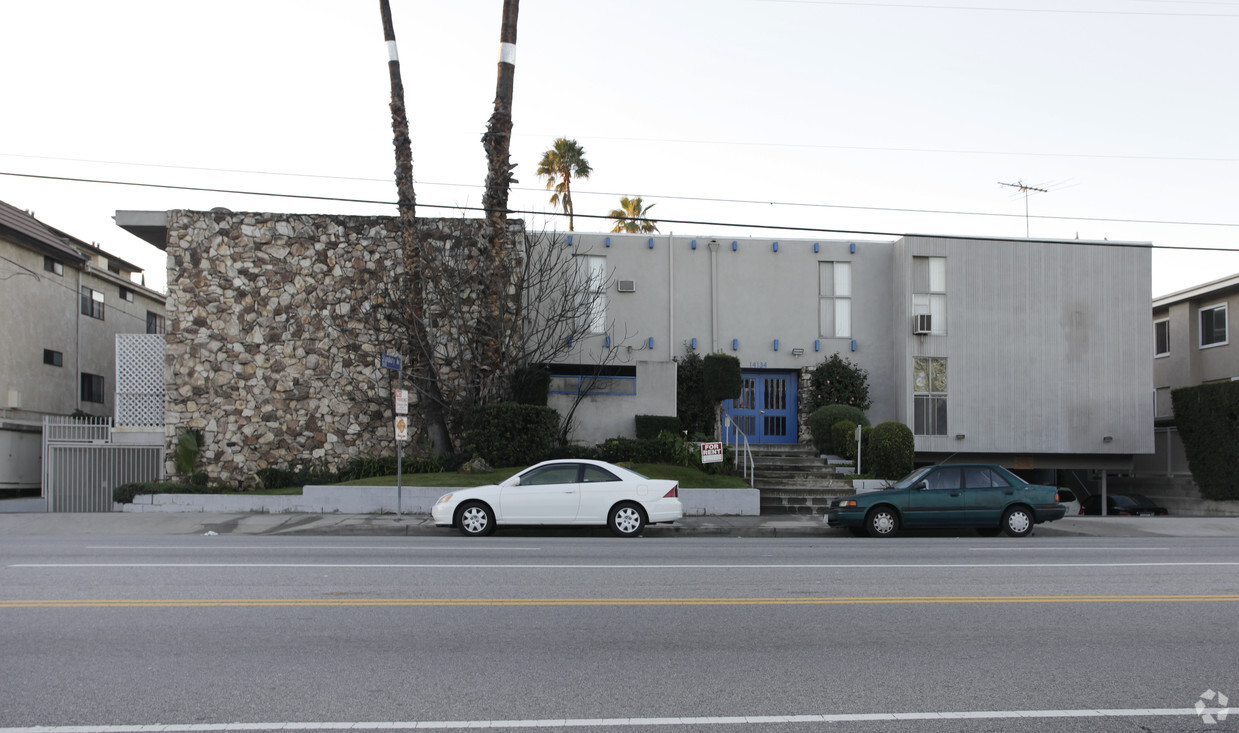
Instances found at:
x=257 y=305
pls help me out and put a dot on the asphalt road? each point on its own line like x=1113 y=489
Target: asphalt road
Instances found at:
x=593 y=633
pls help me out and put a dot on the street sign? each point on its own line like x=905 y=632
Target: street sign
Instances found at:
x=402 y=402
x=402 y=428
x=390 y=361
x=711 y=452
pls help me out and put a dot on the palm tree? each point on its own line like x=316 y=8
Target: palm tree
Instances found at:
x=632 y=217
x=565 y=160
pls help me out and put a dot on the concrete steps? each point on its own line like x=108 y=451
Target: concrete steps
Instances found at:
x=794 y=479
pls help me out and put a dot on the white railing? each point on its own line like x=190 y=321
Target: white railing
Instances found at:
x=735 y=437
x=62 y=429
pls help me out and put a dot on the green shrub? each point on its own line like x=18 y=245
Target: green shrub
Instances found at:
x=124 y=493
x=637 y=450
x=843 y=439
x=531 y=385
x=188 y=448
x=823 y=419
x=650 y=426
x=721 y=377
x=691 y=405
x=512 y=434
x=891 y=450
x=1207 y=417
x=838 y=381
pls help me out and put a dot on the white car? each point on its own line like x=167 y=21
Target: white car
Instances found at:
x=1067 y=498
x=568 y=491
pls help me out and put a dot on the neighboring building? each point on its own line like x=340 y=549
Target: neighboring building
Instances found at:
x=1030 y=353
x=1191 y=346
x=64 y=302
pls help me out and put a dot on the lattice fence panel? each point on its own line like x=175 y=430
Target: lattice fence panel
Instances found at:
x=140 y=391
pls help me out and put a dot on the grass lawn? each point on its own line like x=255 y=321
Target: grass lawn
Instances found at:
x=689 y=478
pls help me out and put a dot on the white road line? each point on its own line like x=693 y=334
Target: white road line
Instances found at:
x=627 y=722
x=281 y=548
x=586 y=566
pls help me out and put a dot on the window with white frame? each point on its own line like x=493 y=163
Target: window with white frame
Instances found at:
x=593 y=291
x=929 y=395
x=929 y=290
x=1213 y=326
x=834 y=299
x=92 y=303
x=1161 y=337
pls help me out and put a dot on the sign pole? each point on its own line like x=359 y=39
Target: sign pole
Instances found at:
x=388 y=361
x=399 y=453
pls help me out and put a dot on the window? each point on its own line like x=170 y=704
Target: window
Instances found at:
x=92 y=303
x=54 y=358
x=1213 y=326
x=929 y=290
x=54 y=266
x=559 y=473
x=929 y=395
x=980 y=477
x=593 y=292
x=835 y=299
x=594 y=474
x=943 y=478
x=155 y=323
x=92 y=388
x=126 y=294
x=1161 y=338
x=593 y=379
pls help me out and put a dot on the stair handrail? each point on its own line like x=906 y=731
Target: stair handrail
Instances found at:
x=750 y=466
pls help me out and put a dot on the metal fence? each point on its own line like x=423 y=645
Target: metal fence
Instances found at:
x=81 y=464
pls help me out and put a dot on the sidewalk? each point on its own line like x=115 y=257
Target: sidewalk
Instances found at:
x=36 y=522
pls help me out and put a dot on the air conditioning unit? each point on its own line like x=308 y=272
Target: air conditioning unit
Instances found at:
x=627 y=286
x=922 y=323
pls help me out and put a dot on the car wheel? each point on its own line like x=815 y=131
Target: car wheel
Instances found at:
x=988 y=531
x=626 y=520
x=882 y=522
x=1017 y=522
x=475 y=520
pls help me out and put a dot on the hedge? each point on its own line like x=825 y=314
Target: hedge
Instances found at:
x=650 y=426
x=511 y=434
x=1207 y=417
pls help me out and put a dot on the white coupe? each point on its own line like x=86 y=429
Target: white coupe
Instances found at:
x=563 y=492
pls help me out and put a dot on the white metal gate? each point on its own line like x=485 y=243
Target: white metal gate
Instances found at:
x=81 y=464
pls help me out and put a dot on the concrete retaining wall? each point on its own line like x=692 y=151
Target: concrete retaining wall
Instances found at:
x=413 y=500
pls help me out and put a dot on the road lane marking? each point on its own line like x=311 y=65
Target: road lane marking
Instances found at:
x=282 y=548
x=588 y=566
x=624 y=722
x=615 y=602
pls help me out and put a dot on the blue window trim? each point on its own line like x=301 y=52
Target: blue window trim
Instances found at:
x=580 y=379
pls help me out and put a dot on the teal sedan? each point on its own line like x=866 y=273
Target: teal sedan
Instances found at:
x=987 y=497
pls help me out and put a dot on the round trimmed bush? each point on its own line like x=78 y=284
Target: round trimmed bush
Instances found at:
x=890 y=450
x=823 y=419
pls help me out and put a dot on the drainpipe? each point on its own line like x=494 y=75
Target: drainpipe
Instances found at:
x=713 y=295
x=670 y=296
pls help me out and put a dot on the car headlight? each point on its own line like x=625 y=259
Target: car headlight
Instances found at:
x=846 y=504
x=444 y=498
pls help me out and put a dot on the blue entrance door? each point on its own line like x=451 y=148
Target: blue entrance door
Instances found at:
x=766 y=408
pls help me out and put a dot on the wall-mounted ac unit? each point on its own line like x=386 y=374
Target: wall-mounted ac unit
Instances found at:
x=922 y=323
x=627 y=286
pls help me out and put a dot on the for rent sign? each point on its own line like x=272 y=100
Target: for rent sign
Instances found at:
x=711 y=452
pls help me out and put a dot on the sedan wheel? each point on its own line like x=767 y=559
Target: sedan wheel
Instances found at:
x=475 y=520
x=626 y=520
x=882 y=522
x=1017 y=522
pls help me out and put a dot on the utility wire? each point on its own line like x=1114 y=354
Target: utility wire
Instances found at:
x=527 y=212
x=909 y=6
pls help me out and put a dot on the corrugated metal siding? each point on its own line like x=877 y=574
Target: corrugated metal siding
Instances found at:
x=1048 y=347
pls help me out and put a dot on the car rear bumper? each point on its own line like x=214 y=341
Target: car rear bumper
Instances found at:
x=663 y=510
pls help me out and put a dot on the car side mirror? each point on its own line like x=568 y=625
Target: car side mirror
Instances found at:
x=514 y=481
x=921 y=485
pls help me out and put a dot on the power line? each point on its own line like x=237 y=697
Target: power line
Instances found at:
x=667 y=197
x=907 y=6
x=527 y=212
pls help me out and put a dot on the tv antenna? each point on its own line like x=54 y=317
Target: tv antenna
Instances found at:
x=1024 y=188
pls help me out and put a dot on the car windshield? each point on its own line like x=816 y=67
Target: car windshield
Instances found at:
x=1120 y=500
x=911 y=479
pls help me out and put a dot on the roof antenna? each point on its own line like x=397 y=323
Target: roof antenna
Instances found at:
x=1025 y=189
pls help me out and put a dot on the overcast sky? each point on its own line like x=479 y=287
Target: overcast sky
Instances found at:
x=847 y=116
